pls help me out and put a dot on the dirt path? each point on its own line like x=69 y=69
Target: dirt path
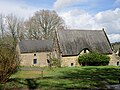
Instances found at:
x=31 y=69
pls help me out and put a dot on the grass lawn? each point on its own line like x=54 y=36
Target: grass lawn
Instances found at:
x=65 y=78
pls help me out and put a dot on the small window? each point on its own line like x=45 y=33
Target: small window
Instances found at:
x=34 y=61
x=72 y=64
x=48 y=61
x=85 y=51
x=117 y=63
x=34 y=54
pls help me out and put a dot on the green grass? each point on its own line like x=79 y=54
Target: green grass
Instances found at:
x=27 y=74
x=65 y=78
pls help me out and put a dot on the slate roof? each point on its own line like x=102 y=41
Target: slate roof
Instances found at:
x=28 y=46
x=72 y=42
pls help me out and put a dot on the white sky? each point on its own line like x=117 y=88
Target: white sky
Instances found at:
x=77 y=14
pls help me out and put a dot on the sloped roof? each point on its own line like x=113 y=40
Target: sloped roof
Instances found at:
x=27 y=46
x=72 y=42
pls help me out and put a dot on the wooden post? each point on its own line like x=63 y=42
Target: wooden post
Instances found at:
x=42 y=74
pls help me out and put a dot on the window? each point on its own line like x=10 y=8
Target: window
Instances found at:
x=84 y=50
x=72 y=64
x=34 y=61
x=48 y=61
x=34 y=54
x=117 y=63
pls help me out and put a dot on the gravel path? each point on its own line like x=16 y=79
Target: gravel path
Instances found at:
x=31 y=68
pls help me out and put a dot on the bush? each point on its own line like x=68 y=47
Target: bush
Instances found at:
x=55 y=62
x=93 y=59
x=9 y=61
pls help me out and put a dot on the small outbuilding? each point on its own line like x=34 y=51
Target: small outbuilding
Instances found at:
x=35 y=52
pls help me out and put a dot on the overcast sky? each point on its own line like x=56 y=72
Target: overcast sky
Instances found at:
x=78 y=14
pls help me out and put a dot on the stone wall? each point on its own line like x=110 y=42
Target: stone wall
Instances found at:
x=68 y=60
x=27 y=59
x=113 y=59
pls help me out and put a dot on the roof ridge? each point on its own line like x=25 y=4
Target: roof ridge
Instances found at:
x=35 y=40
x=79 y=30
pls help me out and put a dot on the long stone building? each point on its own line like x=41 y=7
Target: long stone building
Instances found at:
x=66 y=47
x=72 y=43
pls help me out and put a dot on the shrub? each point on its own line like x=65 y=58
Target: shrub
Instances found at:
x=93 y=59
x=55 y=62
x=9 y=62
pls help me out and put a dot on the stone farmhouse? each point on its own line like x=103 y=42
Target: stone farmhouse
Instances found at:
x=72 y=43
x=66 y=47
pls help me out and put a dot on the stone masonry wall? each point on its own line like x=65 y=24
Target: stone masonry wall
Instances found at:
x=27 y=59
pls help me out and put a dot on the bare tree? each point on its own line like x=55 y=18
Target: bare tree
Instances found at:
x=10 y=27
x=15 y=28
x=33 y=31
x=43 y=24
x=20 y=30
x=2 y=26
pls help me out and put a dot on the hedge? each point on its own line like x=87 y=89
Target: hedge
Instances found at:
x=93 y=59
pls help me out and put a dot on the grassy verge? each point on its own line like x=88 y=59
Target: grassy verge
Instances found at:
x=65 y=78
